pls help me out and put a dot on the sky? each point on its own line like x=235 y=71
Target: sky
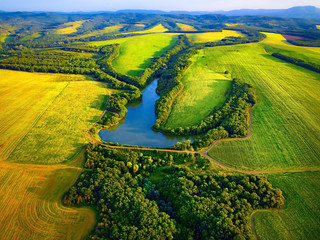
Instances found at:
x=165 y=5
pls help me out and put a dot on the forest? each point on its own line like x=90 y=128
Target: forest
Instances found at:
x=181 y=205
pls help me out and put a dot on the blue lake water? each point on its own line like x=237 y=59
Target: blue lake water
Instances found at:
x=136 y=129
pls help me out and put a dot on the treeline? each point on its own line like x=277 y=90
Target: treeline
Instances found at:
x=116 y=104
x=307 y=43
x=112 y=51
x=298 y=62
x=133 y=203
x=50 y=61
x=230 y=120
x=81 y=49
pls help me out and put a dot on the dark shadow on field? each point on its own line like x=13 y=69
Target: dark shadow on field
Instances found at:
x=149 y=61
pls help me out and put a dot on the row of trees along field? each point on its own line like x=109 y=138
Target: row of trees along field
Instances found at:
x=313 y=67
x=178 y=205
x=231 y=119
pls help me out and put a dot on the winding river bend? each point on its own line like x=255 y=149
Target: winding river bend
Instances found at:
x=136 y=129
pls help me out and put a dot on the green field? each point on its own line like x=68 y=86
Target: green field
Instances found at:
x=285 y=122
x=300 y=217
x=44 y=116
x=203 y=90
x=43 y=120
x=211 y=36
x=277 y=43
x=136 y=52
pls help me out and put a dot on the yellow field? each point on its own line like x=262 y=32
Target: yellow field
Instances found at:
x=43 y=119
x=233 y=24
x=212 y=36
x=278 y=39
x=41 y=110
x=69 y=27
x=185 y=27
x=277 y=43
x=156 y=29
x=30 y=203
x=318 y=26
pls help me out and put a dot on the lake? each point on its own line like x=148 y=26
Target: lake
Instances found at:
x=136 y=129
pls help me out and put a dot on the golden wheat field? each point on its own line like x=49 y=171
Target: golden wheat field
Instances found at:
x=43 y=120
x=212 y=36
x=70 y=27
x=31 y=207
x=44 y=116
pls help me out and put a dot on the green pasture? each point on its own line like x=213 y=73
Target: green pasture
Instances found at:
x=203 y=90
x=276 y=43
x=285 y=122
x=44 y=117
x=300 y=217
x=136 y=52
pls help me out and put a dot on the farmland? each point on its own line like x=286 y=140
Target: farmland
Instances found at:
x=61 y=181
x=44 y=117
x=156 y=29
x=136 y=52
x=31 y=207
x=34 y=107
x=203 y=90
x=211 y=36
x=285 y=123
x=185 y=27
x=300 y=217
x=70 y=27
x=277 y=43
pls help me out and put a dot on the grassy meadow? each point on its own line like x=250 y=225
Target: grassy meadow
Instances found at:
x=203 y=90
x=211 y=36
x=285 y=122
x=136 y=52
x=300 y=217
x=31 y=207
x=44 y=116
x=43 y=119
x=70 y=27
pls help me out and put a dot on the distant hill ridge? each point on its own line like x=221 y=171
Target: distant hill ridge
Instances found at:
x=294 y=12
x=310 y=12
